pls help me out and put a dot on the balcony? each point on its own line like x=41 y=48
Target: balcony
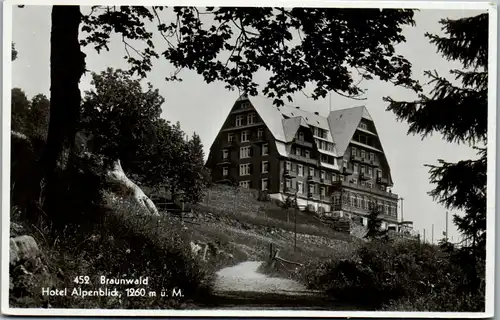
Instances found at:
x=383 y=181
x=312 y=179
x=245 y=126
x=290 y=191
x=231 y=144
x=302 y=143
x=258 y=140
x=356 y=158
x=224 y=162
x=288 y=173
x=347 y=171
x=304 y=159
x=365 y=176
x=341 y=184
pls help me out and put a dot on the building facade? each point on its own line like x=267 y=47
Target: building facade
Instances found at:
x=334 y=165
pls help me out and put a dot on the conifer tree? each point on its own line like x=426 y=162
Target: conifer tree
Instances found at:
x=459 y=113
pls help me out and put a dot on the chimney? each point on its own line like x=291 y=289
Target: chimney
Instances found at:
x=316 y=113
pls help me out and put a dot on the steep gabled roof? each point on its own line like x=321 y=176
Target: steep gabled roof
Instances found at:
x=343 y=124
x=310 y=118
x=272 y=118
x=291 y=126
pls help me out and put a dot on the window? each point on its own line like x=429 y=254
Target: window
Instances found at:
x=245 y=152
x=265 y=149
x=245 y=184
x=311 y=171
x=363 y=125
x=311 y=188
x=372 y=156
x=251 y=118
x=300 y=187
x=334 y=177
x=355 y=168
x=230 y=137
x=330 y=147
x=225 y=154
x=239 y=121
x=344 y=163
x=225 y=171
x=264 y=184
x=288 y=183
x=353 y=152
x=370 y=171
x=288 y=165
x=323 y=192
x=301 y=136
x=379 y=174
x=260 y=133
x=356 y=202
x=363 y=154
x=362 y=169
x=265 y=166
x=369 y=185
x=362 y=139
x=308 y=154
x=298 y=151
x=300 y=170
x=245 y=105
x=244 y=136
x=336 y=199
x=323 y=174
x=244 y=169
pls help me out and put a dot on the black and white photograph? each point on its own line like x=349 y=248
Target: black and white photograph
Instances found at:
x=252 y=159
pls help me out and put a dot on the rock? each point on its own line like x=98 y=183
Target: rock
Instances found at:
x=16 y=229
x=117 y=175
x=23 y=248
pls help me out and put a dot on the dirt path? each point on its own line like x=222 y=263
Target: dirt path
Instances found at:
x=245 y=277
x=243 y=287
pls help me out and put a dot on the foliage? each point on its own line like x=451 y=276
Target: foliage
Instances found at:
x=123 y=122
x=231 y=44
x=122 y=245
x=379 y=274
x=374 y=227
x=19 y=109
x=30 y=117
x=14 y=52
x=458 y=112
x=120 y=116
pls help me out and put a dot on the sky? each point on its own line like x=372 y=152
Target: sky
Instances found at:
x=203 y=107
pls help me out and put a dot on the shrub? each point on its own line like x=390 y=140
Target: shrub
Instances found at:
x=379 y=273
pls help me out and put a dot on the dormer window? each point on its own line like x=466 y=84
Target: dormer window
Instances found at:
x=301 y=136
x=363 y=125
x=245 y=105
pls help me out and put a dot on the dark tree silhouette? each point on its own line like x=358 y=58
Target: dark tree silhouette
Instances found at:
x=459 y=113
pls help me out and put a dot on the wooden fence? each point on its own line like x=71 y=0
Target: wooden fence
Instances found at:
x=276 y=261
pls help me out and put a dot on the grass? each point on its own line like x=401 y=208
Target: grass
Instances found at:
x=124 y=244
x=243 y=206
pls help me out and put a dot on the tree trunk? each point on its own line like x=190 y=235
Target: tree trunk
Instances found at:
x=67 y=65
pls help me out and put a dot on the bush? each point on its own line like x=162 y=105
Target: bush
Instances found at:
x=401 y=275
